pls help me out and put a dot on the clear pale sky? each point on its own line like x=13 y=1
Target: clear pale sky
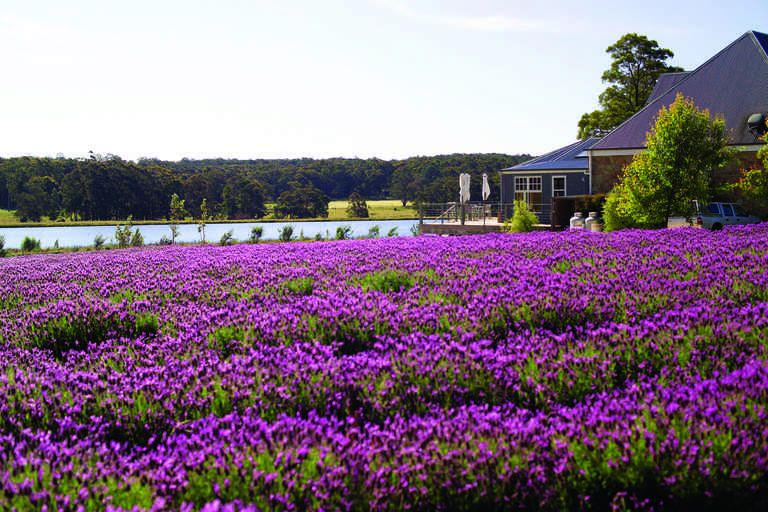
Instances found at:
x=333 y=78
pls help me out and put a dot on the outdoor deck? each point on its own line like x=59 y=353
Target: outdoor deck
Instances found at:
x=446 y=218
x=455 y=227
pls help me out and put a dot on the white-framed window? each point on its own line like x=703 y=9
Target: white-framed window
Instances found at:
x=528 y=189
x=558 y=186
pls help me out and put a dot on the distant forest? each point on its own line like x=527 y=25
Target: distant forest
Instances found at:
x=110 y=188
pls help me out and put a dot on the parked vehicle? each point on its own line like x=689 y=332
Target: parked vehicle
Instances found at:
x=714 y=216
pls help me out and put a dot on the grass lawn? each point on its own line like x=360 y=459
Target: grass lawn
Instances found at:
x=385 y=209
x=7 y=218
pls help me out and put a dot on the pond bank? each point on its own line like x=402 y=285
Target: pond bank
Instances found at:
x=83 y=236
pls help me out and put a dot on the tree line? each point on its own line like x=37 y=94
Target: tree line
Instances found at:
x=106 y=187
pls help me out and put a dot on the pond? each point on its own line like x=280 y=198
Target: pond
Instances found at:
x=83 y=236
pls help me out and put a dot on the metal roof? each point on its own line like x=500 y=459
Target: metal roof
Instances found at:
x=733 y=83
x=572 y=156
x=665 y=82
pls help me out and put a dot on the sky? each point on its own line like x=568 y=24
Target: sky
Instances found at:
x=388 y=79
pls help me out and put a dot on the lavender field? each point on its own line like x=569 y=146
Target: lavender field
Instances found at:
x=548 y=371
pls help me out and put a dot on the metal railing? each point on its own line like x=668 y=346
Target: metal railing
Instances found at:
x=478 y=212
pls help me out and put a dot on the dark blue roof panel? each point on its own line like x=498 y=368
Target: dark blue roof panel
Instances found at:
x=665 y=83
x=762 y=40
x=733 y=84
x=568 y=157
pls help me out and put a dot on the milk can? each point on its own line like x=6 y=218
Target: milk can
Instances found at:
x=597 y=225
x=577 y=221
x=590 y=221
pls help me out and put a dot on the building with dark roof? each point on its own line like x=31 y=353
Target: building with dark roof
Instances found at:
x=562 y=172
x=732 y=84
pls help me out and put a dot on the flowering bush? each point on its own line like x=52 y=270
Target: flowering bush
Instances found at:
x=550 y=371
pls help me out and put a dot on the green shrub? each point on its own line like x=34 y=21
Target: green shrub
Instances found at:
x=374 y=231
x=227 y=238
x=344 y=232
x=286 y=235
x=256 y=233
x=98 y=241
x=123 y=234
x=30 y=244
x=392 y=232
x=137 y=240
x=2 y=246
x=616 y=212
x=523 y=220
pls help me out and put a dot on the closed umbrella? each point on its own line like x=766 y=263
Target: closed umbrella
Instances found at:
x=486 y=192
x=464 y=188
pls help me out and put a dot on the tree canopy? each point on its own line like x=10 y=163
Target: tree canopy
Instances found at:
x=683 y=147
x=109 y=188
x=356 y=206
x=637 y=64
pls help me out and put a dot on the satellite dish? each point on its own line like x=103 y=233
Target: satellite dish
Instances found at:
x=756 y=125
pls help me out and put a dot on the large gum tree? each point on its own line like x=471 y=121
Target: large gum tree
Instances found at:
x=637 y=64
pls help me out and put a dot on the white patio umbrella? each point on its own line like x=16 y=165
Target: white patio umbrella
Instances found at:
x=486 y=193
x=464 y=187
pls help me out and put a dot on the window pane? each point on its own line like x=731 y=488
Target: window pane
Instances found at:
x=521 y=184
x=558 y=186
x=740 y=211
x=534 y=183
x=727 y=210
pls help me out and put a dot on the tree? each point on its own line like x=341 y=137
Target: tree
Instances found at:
x=123 y=234
x=404 y=185
x=38 y=197
x=204 y=217
x=683 y=147
x=637 y=64
x=177 y=214
x=356 y=206
x=302 y=202
x=249 y=199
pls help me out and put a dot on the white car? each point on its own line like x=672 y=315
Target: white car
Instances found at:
x=716 y=215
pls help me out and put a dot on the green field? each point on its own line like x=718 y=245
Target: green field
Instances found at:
x=386 y=209
x=7 y=218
